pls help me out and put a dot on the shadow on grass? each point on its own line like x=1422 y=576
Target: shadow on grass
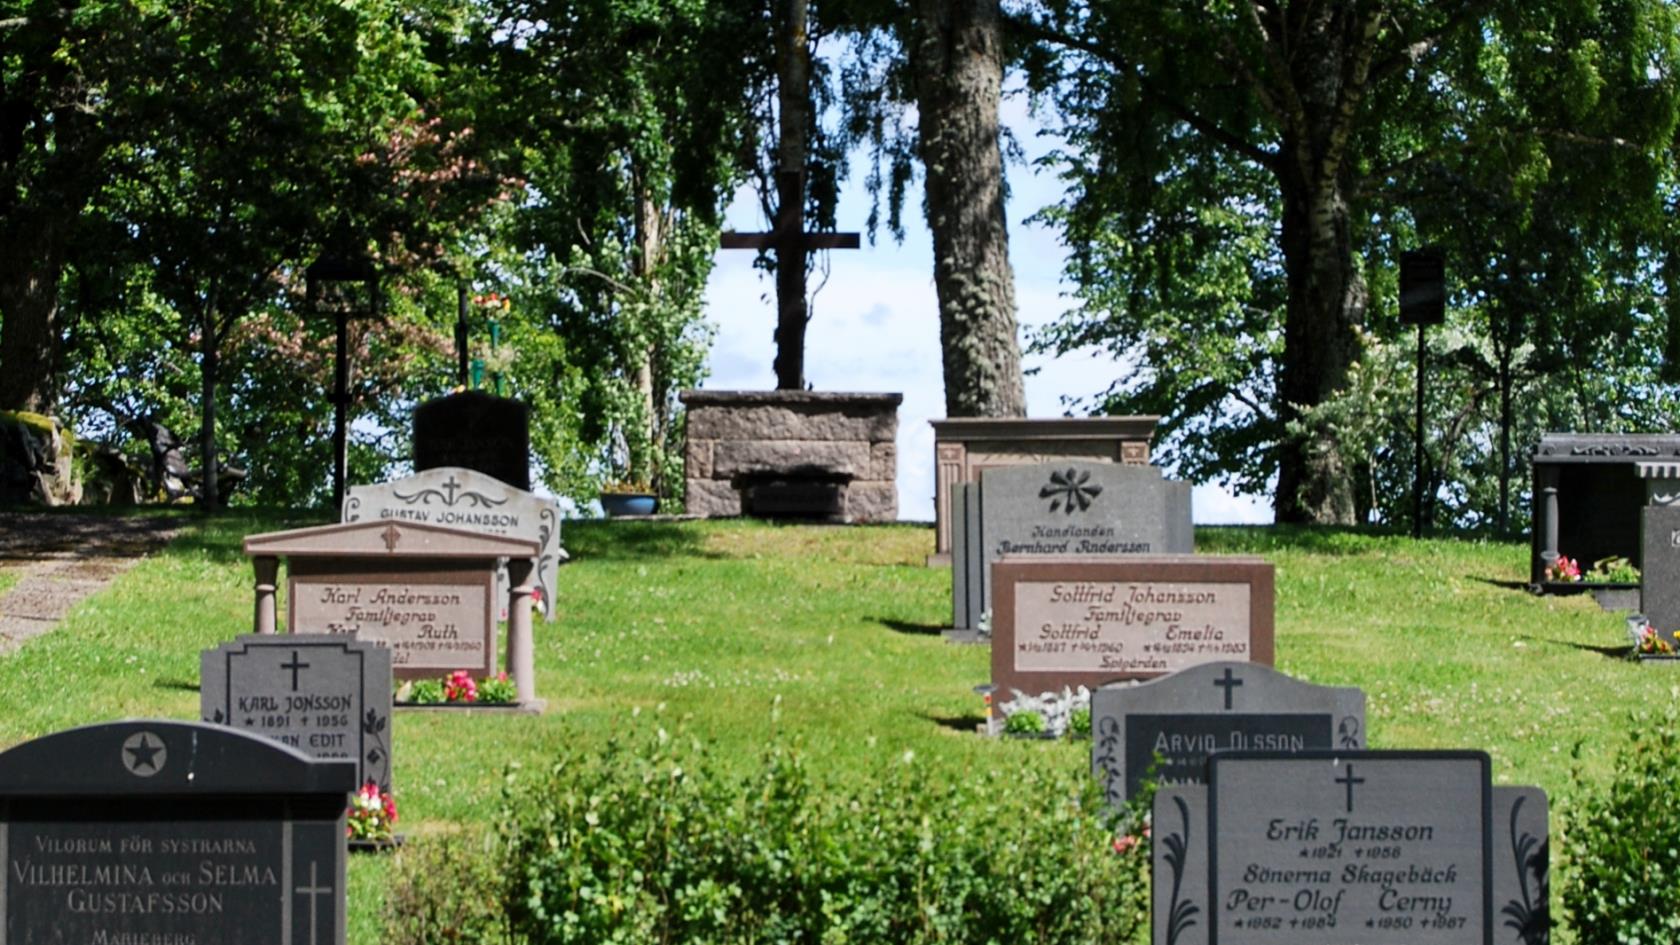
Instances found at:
x=966 y=724
x=905 y=626
x=180 y=685
x=1620 y=652
x=607 y=540
x=1523 y=586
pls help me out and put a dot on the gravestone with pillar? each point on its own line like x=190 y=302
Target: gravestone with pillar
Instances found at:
x=1590 y=493
x=425 y=592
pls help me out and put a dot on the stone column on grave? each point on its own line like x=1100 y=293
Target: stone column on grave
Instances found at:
x=521 y=662
x=267 y=568
x=1549 y=512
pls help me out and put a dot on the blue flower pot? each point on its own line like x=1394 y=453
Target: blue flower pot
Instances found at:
x=616 y=504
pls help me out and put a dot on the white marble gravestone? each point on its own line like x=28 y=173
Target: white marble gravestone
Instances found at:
x=464 y=498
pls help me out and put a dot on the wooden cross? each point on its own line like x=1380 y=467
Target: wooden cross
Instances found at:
x=788 y=238
x=791 y=245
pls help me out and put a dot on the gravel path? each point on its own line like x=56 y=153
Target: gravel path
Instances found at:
x=60 y=559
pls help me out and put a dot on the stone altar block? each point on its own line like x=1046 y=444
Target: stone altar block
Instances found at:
x=792 y=454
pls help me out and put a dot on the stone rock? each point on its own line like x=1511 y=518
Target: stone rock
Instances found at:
x=35 y=464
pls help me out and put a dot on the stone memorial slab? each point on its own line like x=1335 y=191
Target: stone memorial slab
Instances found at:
x=1331 y=847
x=1219 y=706
x=1067 y=510
x=464 y=498
x=477 y=431
x=1659 y=578
x=423 y=591
x=964 y=447
x=1085 y=622
x=328 y=696
x=170 y=832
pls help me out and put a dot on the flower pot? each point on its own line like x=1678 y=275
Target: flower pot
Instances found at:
x=616 y=504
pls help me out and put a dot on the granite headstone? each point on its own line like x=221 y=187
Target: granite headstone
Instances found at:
x=478 y=431
x=464 y=498
x=327 y=695
x=170 y=832
x=1064 y=510
x=1329 y=847
x=1085 y=622
x=1659 y=577
x=1212 y=707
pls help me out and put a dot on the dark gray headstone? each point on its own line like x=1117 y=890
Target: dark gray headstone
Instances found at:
x=1069 y=509
x=327 y=695
x=1219 y=706
x=1374 y=847
x=478 y=431
x=965 y=565
x=161 y=831
x=464 y=498
x=1659 y=577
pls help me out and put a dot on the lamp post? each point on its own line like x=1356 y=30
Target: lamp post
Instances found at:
x=331 y=283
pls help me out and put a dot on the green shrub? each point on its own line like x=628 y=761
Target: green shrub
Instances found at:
x=447 y=889
x=1624 y=843
x=422 y=692
x=497 y=688
x=1079 y=722
x=1024 y=722
x=646 y=845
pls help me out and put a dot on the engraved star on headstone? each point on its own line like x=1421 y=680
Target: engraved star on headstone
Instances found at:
x=144 y=754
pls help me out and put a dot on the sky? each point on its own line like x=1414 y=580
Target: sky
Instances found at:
x=875 y=323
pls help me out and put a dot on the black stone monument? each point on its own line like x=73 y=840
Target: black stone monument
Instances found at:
x=165 y=831
x=1589 y=491
x=478 y=431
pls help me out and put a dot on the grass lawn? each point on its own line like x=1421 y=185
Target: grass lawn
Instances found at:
x=728 y=631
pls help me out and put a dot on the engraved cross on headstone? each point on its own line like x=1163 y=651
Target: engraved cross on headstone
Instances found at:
x=1349 y=780
x=294 y=666
x=1227 y=683
x=314 y=891
x=392 y=535
x=449 y=488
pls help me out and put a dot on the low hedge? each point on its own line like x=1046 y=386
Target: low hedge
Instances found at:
x=645 y=844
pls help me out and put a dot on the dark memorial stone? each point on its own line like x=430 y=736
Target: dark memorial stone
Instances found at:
x=478 y=431
x=1659 y=578
x=1328 y=848
x=327 y=695
x=170 y=832
x=1062 y=510
x=1226 y=705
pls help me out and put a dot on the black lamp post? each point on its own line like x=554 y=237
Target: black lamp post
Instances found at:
x=331 y=284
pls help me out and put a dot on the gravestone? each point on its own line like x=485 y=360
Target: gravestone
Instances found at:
x=1588 y=493
x=1068 y=509
x=464 y=498
x=424 y=591
x=1659 y=587
x=478 y=431
x=1085 y=622
x=964 y=447
x=170 y=832
x=326 y=695
x=1220 y=706
x=1327 y=848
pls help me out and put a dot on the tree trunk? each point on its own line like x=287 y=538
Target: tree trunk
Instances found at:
x=959 y=71
x=29 y=342
x=209 y=367
x=1327 y=299
x=650 y=247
